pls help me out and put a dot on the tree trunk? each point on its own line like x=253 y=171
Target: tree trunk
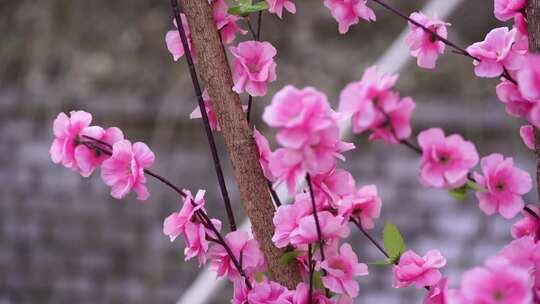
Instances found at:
x=238 y=137
x=533 y=17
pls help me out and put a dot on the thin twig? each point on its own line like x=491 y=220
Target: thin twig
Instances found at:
x=370 y=238
x=195 y=80
x=311 y=270
x=317 y=223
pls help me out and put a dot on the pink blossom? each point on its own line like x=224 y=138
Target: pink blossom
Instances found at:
x=341 y=270
x=263 y=147
x=332 y=228
x=523 y=252
x=445 y=161
x=527 y=135
x=225 y=23
x=349 y=12
x=495 y=53
x=287 y=219
x=67 y=132
x=253 y=66
x=124 y=170
x=88 y=159
x=357 y=98
x=507 y=9
x=501 y=283
x=505 y=183
x=309 y=133
x=364 y=205
x=437 y=293
x=276 y=7
x=240 y=292
x=212 y=118
x=528 y=78
x=516 y=104
x=174 y=42
x=528 y=225
x=421 y=271
x=240 y=245
x=299 y=112
x=422 y=44
x=174 y=224
x=393 y=118
x=301 y=296
x=332 y=186
x=522 y=38
x=195 y=238
x=269 y=293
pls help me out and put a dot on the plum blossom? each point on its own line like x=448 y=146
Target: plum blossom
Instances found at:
x=243 y=248
x=269 y=293
x=253 y=66
x=263 y=147
x=516 y=104
x=195 y=237
x=507 y=9
x=445 y=161
x=301 y=296
x=174 y=42
x=528 y=225
x=505 y=186
x=277 y=6
x=287 y=217
x=495 y=53
x=496 y=283
x=332 y=228
x=225 y=23
x=349 y=12
x=424 y=45
x=364 y=205
x=527 y=135
x=88 y=159
x=341 y=270
x=393 y=118
x=523 y=252
x=174 y=225
x=67 y=132
x=528 y=78
x=332 y=186
x=240 y=293
x=437 y=293
x=420 y=271
x=357 y=98
x=210 y=113
x=308 y=132
x=124 y=170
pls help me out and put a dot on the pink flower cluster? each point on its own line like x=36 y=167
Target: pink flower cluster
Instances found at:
x=83 y=148
x=308 y=132
x=253 y=66
x=374 y=106
x=277 y=6
x=417 y=270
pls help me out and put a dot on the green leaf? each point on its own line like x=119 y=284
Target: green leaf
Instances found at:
x=259 y=277
x=476 y=187
x=380 y=263
x=393 y=242
x=317 y=280
x=245 y=7
x=289 y=256
x=458 y=193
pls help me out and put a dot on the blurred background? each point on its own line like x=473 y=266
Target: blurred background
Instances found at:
x=63 y=239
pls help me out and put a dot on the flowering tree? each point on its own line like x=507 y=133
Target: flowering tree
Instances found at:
x=298 y=253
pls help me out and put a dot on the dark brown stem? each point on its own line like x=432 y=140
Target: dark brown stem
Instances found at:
x=311 y=270
x=195 y=80
x=317 y=223
x=370 y=238
x=277 y=201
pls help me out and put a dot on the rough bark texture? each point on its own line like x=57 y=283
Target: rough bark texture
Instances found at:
x=533 y=17
x=238 y=136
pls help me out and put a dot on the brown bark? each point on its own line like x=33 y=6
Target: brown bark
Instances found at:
x=238 y=137
x=533 y=17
